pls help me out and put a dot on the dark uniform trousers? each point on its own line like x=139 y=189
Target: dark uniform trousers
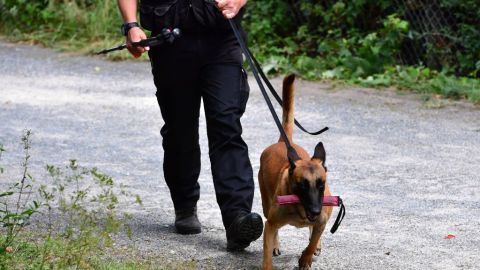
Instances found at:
x=204 y=66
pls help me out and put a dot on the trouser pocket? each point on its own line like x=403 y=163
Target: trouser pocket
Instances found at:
x=158 y=15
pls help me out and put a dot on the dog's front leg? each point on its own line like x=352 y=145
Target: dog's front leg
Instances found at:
x=319 y=245
x=276 y=245
x=305 y=262
x=268 y=243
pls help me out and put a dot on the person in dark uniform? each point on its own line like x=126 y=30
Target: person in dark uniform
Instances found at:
x=205 y=63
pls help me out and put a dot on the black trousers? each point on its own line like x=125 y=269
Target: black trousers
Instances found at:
x=204 y=66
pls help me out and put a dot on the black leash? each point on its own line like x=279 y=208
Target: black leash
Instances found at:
x=291 y=153
x=267 y=81
x=340 y=216
x=279 y=99
x=256 y=70
x=165 y=36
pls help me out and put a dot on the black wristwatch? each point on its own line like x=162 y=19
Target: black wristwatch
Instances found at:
x=127 y=26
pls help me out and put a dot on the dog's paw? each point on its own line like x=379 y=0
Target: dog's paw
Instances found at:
x=276 y=252
x=305 y=262
x=304 y=268
x=317 y=252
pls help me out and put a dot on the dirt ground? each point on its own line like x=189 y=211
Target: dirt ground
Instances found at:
x=408 y=171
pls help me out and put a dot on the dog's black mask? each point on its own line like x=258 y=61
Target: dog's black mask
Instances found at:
x=310 y=191
x=311 y=197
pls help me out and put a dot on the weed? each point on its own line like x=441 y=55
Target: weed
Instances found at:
x=16 y=204
x=78 y=216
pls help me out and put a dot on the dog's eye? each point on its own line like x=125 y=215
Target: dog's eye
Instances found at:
x=319 y=183
x=303 y=184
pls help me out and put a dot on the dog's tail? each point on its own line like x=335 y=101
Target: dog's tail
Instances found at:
x=288 y=94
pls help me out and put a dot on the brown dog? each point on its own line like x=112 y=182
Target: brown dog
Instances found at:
x=305 y=178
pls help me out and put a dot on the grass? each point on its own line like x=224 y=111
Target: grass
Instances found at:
x=426 y=81
x=28 y=253
x=79 y=210
x=83 y=27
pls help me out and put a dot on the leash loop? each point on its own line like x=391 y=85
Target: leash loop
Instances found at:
x=340 y=216
x=279 y=99
x=291 y=153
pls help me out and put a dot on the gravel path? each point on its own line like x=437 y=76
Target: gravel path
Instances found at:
x=409 y=175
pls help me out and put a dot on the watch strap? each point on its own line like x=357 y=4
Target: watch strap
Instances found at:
x=127 y=26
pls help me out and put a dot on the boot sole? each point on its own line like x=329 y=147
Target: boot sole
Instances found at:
x=185 y=231
x=251 y=230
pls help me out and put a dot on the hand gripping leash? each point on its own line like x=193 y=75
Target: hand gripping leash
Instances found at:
x=166 y=35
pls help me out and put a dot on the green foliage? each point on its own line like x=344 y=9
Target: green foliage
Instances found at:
x=16 y=206
x=347 y=40
x=26 y=256
x=466 y=14
x=365 y=36
x=82 y=25
x=362 y=41
x=80 y=206
x=376 y=51
x=87 y=201
x=331 y=35
x=426 y=81
x=21 y=12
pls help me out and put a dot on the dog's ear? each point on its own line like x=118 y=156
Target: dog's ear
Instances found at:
x=320 y=153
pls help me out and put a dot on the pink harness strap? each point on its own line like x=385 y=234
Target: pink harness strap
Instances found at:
x=293 y=199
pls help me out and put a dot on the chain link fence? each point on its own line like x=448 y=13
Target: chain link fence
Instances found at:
x=442 y=33
x=432 y=40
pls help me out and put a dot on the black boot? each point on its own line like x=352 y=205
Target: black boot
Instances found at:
x=245 y=228
x=186 y=221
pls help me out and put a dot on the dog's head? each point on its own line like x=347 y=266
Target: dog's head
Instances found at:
x=308 y=179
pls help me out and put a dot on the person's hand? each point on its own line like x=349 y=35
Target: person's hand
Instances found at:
x=230 y=8
x=134 y=35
